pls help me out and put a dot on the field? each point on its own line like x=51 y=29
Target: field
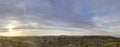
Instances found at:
x=60 y=41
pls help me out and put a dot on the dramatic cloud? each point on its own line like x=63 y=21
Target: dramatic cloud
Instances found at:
x=61 y=16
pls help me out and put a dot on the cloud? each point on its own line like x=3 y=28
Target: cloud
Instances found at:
x=108 y=20
x=44 y=12
x=61 y=16
x=59 y=13
x=107 y=16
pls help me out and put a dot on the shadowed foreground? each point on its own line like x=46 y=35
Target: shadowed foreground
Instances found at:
x=60 y=41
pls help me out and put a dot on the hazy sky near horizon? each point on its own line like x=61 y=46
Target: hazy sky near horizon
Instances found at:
x=61 y=17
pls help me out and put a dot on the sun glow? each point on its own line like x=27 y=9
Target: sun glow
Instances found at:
x=11 y=34
x=11 y=31
x=10 y=28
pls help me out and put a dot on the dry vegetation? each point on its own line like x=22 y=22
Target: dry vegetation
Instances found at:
x=60 y=41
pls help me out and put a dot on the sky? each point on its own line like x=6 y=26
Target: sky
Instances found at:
x=61 y=17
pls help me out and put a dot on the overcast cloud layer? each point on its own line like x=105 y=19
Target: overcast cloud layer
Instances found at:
x=62 y=17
